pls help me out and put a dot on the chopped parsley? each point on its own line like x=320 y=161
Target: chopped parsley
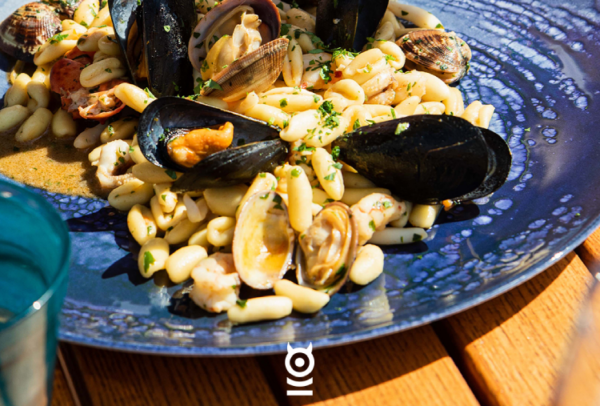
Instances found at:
x=330 y=177
x=401 y=127
x=241 y=303
x=277 y=199
x=58 y=38
x=283 y=103
x=171 y=173
x=356 y=124
x=167 y=28
x=148 y=260
x=296 y=172
x=417 y=237
x=372 y=225
x=335 y=154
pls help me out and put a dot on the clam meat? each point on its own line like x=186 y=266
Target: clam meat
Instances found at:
x=263 y=242
x=235 y=46
x=327 y=249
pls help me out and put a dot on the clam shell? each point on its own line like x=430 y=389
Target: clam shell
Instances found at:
x=341 y=272
x=265 y=9
x=263 y=242
x=440 y=53
x=25 y=30
x=256 y=72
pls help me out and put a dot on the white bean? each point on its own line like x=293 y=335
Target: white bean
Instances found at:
x=304 y=300
x=167 y=220
x=403 y=220
x=39 y=95
x=424 y=215
x=150 y=173
x=133 y=96
x=224 y=201
x=153 y=256
x=394 y=236
x=63 y=124
x=353 y=196
x=35 y=126
x=200 y=237
x=87 y=12
x=17 y=94
x=12 y=117
x=299 y=199
x=119 y=130
x=181 y=232
x=89 y=137
x=129 y=194
x=220 y=231
x=141 y=224
x=196 y=210
x=368 y=265
x=102 y=72
x=181 y=263
x=329 y=176
x=261 y=308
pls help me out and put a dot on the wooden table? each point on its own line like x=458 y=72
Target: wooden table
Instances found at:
x=508 y=351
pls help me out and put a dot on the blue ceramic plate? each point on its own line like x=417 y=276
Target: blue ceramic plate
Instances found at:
x=537 y=63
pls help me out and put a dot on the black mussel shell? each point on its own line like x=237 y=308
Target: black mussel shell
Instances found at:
x=502 y=159
x=165 y=27
x=255 y=148
x=168 y=25
x=233 y=166
x=428 y=158
x=348 y=23
x=124 y=14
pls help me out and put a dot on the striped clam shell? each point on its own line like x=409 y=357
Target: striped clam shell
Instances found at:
x=440 y=53
x=25 y=30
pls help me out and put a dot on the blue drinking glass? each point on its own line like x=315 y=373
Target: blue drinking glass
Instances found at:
x=34 y=260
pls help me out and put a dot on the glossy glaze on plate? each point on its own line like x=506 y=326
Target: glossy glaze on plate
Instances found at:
x=537 y=63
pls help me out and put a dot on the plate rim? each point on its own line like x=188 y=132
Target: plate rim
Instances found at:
x=376 y=332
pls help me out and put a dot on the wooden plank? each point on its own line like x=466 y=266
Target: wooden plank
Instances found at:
x=409 y=368
x=511 y=349
x=61 y=396
x=122 y=379
x=589 y=252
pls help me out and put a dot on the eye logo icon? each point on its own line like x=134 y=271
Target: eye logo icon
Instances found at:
x=296 y=369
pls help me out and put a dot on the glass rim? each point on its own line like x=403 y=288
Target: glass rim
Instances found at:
x=51 y=215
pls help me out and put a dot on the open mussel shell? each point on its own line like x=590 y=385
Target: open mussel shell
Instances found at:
x=256 y=146
x=348 y=23
x=327 y=249
x=440 y=53
x=263 y=242
x=428 y=158
x=28 y=28
x=265 y=9
x=255 y=72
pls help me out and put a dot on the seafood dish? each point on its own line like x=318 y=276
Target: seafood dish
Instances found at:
x=263 y=151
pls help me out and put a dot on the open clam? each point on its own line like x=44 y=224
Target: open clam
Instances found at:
x=440 y=53
x=226 y=48
x=254 y=146
x=28 y=28
x=153 y=36
x=327 y=249
x=263 y=242
x=429 y=158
